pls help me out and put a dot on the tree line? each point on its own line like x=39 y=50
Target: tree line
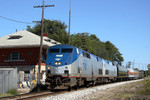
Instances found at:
x=89 y=42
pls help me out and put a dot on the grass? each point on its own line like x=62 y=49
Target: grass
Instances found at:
x=5 y=95
x=146 y=88
x=139 y=91
x=10 y=93
x=126 y=96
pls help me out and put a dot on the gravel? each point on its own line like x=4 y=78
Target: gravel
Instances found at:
x=85 y=93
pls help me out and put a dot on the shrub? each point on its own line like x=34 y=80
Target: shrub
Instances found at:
x=147 y=85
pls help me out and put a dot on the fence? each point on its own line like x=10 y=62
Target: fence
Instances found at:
x=8 y=79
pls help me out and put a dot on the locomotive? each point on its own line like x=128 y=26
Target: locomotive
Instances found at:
x=68 y=66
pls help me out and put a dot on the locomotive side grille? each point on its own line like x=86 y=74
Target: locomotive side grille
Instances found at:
x=66 y=72
x=107 y=72
x=100 y=71
x=49 y=71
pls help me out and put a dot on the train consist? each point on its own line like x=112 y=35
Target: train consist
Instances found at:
x=69 y=66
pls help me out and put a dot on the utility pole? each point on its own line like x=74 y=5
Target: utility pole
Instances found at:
x=41 y=41
x=69 y=21
x=129 y=63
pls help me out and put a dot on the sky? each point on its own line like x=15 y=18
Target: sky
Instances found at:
x=125 y=23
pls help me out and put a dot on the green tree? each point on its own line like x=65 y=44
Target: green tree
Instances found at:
x=93 y=45
x=148 y=66
x=56 y=30
x=113 y=53
x=89 y=42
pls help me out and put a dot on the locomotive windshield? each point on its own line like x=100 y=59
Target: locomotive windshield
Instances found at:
x=54 y=51
x=66 y=50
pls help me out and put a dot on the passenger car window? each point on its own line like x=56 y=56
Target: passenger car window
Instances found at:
x=54 y=51
x=66 y=50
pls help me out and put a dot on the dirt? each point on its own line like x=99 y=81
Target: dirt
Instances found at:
x=129 y=91
x=23 y=90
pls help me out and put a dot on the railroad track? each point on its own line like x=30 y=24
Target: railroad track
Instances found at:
x=32 y=96
x=37 y=95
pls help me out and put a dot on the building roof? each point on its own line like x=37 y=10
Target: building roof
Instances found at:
x=25 y=39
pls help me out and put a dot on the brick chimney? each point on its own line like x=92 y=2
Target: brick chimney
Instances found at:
x=46 y=34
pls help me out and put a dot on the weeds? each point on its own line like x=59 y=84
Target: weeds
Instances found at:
x=146 y=86
x=12 y=92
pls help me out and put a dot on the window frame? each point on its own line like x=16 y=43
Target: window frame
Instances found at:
x=54 y=49
x=70 y=50
x=14 y=56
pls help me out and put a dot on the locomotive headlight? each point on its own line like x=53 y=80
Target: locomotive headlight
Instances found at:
x=56 y=63
x=59 y=63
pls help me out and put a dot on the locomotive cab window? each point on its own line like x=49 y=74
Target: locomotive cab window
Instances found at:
x=66 y=50
x=54 y=51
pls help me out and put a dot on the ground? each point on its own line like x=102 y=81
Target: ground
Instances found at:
x=129 y=91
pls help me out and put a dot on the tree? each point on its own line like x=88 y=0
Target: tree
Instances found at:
x=148 y=66
x=113 y=53
x=56 y=30
x=89 y=42
x=93 y=45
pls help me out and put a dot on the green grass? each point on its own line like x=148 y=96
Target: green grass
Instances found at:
x=146 y=88
x=12 y=92
x=5 y=95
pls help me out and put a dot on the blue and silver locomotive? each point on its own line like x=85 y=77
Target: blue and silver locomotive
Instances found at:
x=69 y=66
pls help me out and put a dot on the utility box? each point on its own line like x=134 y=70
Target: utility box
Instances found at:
x=8 y=79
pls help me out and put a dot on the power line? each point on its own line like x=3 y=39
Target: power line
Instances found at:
x=15 y=20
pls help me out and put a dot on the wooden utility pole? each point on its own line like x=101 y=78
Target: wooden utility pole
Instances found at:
x=69 y=21
x=41 y=41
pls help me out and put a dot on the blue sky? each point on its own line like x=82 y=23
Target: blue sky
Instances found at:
x=126 y=23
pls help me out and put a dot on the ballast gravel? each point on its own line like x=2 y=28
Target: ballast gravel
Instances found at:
x=84 y=93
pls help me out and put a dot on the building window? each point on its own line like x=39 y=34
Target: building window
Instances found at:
x=15 y=56
x=27 y=72
x=15 y=37
x=43 y=58
x=30 y=53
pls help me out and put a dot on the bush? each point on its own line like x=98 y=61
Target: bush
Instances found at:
x=12 y=91
x=147 y=85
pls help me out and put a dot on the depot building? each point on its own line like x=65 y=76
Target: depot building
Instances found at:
x=21 y=50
